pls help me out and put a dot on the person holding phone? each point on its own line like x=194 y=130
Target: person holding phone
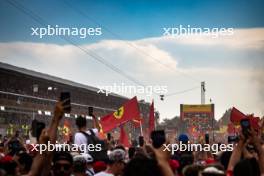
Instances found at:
x=80 y=137
x=248 y=165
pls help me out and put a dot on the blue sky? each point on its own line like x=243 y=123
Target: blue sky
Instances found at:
x=231 y=66
x=129 y=19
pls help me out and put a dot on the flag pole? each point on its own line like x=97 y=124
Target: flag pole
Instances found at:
x=141 y=130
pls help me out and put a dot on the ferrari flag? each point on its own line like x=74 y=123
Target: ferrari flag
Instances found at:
x=129 y=111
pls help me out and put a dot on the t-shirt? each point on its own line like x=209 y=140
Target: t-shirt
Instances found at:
x=80 y=138
x=103 y=174
x=90 y=172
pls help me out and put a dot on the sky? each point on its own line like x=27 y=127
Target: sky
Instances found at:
x=132 y=41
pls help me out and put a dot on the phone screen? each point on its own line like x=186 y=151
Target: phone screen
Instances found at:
x=207 y=138
x=65 y=97
x=245 y=126
x=158 y=138
x=39 y=127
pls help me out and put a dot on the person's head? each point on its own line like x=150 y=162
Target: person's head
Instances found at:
x=185 y=158
x=116 y=162
x=82 y=162
x=120 y=147
x=247 y=167
x=89 y=159
x=192 y=170
x=174 y=165
x=142 y=166
x=99 y=166
x=79 y=164
x=14 y=146
x=62 y=163
x=183 y=138
x=9 y=166
x=80 y=122
x=24 y=162
x=131 y=152
x=213 y=171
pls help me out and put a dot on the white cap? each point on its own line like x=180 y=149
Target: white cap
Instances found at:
x=84 y=157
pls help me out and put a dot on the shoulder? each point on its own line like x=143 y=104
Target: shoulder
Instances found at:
x=79 y=135
x=95 y=131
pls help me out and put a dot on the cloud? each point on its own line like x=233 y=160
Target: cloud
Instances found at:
x=216 y=61
x=241 y=39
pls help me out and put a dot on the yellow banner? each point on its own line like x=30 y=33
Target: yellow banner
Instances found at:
x=197 y=108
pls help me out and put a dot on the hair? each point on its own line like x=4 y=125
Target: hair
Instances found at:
x=79 y=167
x=9 y=167
x=192 y=170
x=186 y=158
x=26 y=160
x=131 y=152
x=62 y=155
x=247 y=167
x=80 y=122
x=142 y=166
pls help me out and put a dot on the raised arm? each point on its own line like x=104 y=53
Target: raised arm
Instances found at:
x=236 y=154
x=256 y=140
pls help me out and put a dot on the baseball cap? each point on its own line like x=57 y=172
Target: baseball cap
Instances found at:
x=85 y=158
x=183 y=138
x=117 y=155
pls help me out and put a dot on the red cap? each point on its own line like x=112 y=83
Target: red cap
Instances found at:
x=99 y=166
x=174 y=164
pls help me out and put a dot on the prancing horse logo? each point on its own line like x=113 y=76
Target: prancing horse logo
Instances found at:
x=118 y=114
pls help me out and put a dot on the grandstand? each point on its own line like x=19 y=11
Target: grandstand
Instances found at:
x=26 y=95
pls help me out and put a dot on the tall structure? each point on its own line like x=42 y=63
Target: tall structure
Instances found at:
x=203 y=92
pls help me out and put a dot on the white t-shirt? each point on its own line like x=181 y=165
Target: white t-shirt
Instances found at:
x=103 y=174
x=80 y=138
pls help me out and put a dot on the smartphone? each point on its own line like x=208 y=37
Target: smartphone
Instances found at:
x=141 y=141
x=245 y=126
x=158 y=138
x=232 y=139
x=37 y=128
x=206 y=136
x=65 y=97
x=90 y=111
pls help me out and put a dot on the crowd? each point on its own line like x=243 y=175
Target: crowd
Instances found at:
x=17 y=157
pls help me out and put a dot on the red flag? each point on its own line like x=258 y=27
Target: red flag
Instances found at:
x=127 y=112
x=231 y=129
x=123 y=139
x=236 y=116
x=254 y=122
x=151 y=118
